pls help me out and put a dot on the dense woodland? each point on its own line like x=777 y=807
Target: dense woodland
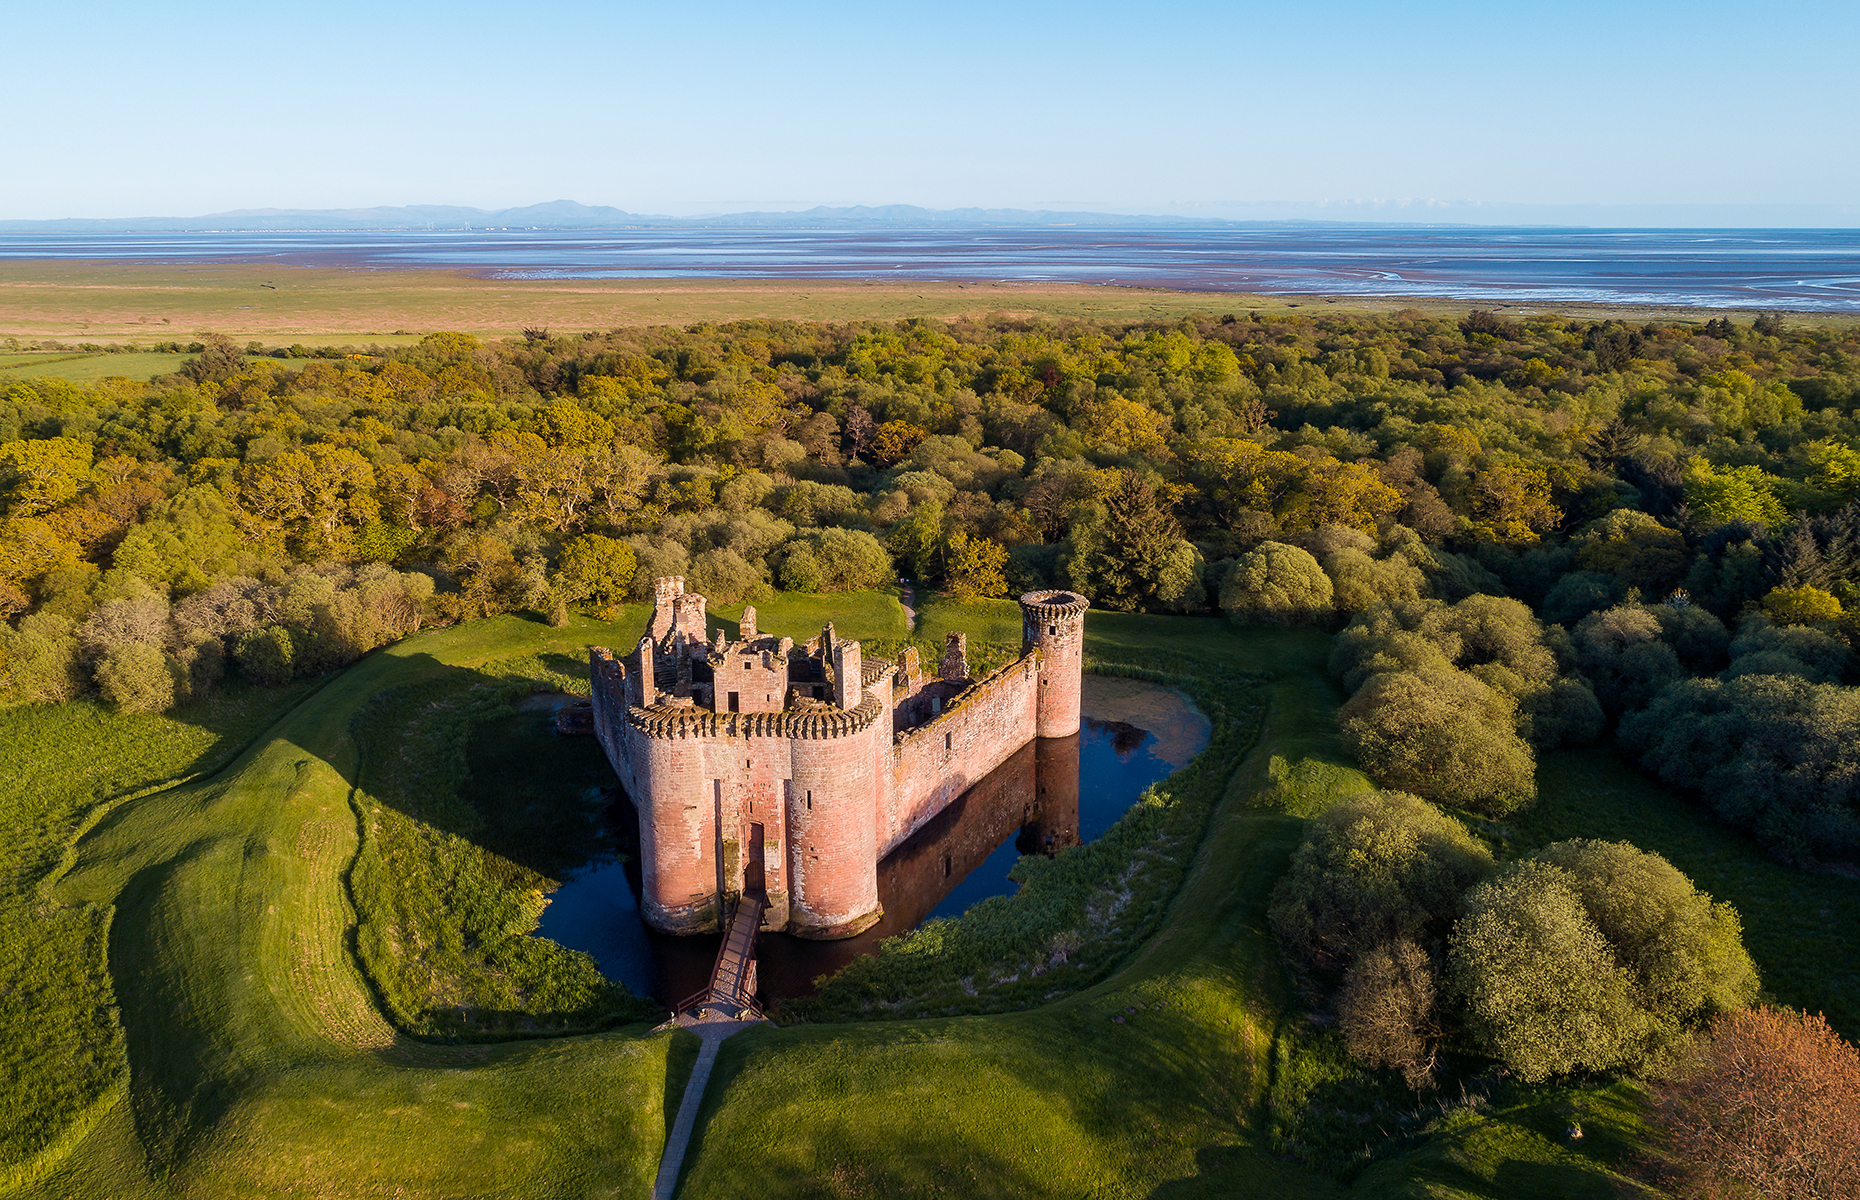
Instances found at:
x=1533 y=532
x=1525 y=534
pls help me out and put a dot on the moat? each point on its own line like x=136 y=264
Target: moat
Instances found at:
x=1133 y=735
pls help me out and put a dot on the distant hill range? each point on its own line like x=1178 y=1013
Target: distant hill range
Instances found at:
x=566 y=214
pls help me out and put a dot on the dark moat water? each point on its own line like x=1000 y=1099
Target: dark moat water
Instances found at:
x=1133 y=735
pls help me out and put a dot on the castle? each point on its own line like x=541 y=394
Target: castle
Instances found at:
x=788 y=771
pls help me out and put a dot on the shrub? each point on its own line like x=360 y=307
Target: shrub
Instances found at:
x=264 y=655
x=1593 y=955
x=1373 y=870
x=136 y=677
x=1441 y=734
x=1387 y=1010
x=1540 y=985
x=1769 y=1100
x=1277 y=584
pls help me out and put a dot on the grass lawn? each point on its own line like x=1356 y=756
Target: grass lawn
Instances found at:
x=88 y=368
x=250 y=1057
x=861 y=616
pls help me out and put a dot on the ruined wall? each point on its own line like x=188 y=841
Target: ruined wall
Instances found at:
x=938 y=761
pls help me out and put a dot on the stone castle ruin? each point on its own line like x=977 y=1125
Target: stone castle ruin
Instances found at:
x=787 y=772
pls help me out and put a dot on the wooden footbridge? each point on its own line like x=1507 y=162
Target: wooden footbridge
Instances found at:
x=725 y=1007
x=731 y=994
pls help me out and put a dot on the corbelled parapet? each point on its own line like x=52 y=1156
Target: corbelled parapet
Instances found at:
x=1050 y=609
x=684 y=721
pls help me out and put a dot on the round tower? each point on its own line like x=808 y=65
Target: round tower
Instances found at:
x=1055 y=622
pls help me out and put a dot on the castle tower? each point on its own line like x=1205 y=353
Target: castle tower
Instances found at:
x=1055 y=623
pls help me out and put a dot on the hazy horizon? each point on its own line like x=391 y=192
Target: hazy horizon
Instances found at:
x=1414 y=213
x=1652 y=115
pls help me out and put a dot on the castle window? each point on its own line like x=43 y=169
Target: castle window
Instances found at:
x=747 y=665
x=734 y=706
x=810 y=800
x=1052 y=629
x=948 y=866
x=948 y=738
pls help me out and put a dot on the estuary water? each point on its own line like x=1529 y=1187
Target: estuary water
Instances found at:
x=1789 y=269
x=1053 y=793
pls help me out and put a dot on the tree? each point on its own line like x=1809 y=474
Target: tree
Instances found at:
x=598 y=570
x=1511 y=504
x=1373 y=870
x=893 y=441
x=1442 y=734
x=1277 y=584
x=1769 y=1100
x=220 y=359
x=1594 y=955
x=1634 y=548
x=1541 y=988
x=1802 y=606
x=725 y=577
x=1685 y=952
x=1123 y=557
x=185 y=543
x=1623 y=653
x=136 y=677
x=835 y=560
x=1724 y=496
x=1775 y=754
x=39 y=475
x=1387 y=1010
x=315 y=495
x=975 y=567
x=264 y=655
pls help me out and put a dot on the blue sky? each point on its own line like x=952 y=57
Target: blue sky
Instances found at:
x=1597 y=112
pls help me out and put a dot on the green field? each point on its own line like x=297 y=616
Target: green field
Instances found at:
x=234 y=1046
x=140 y=366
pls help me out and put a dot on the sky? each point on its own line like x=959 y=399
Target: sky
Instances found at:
x=1638 y=112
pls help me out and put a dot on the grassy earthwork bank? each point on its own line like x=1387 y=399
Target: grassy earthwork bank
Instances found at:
x=283 y=1009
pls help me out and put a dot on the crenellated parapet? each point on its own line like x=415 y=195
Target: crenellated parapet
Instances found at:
x=1054 y=609
x=812 y=721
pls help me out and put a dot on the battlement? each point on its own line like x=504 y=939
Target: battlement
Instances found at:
x=815 y=720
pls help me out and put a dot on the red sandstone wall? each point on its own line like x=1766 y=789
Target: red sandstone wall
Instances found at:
x=832 y=864
x=939 y=761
